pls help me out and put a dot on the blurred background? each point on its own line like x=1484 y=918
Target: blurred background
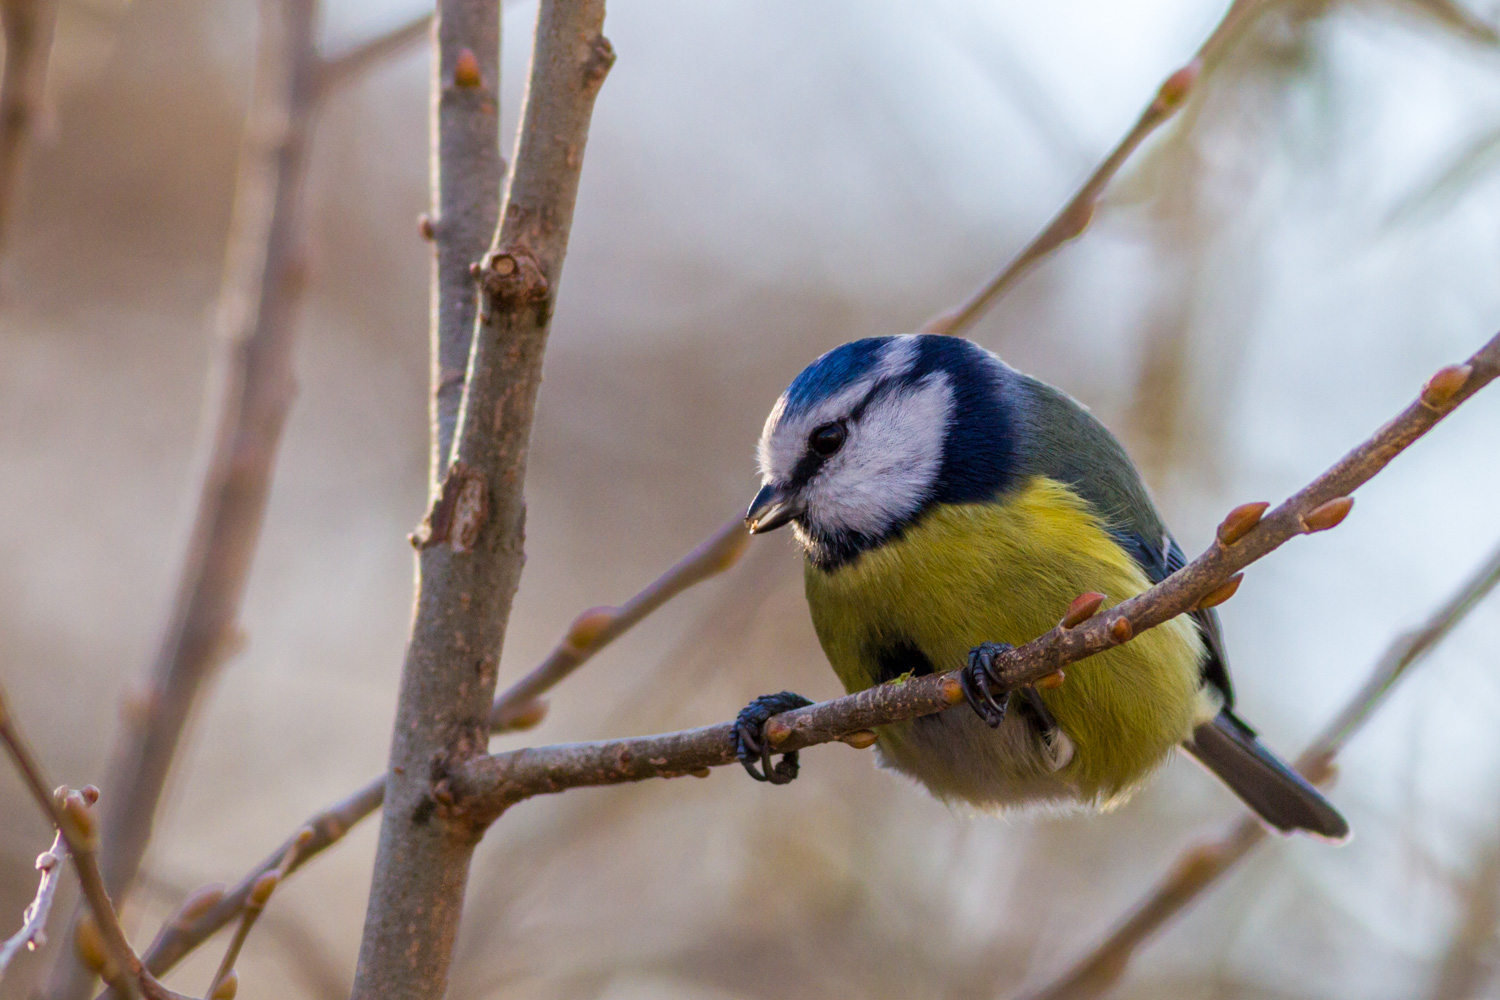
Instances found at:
x=1270 y=279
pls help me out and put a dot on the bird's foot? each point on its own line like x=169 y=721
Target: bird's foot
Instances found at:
x=978 y=677
x=1057 y=747
x=750 y=737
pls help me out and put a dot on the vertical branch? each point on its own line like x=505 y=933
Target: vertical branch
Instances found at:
x=471 y=541
x=467 y=172
x=28 y=26
x=262 y=285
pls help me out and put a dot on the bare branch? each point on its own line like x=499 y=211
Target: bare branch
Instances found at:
x=518 y=707
x=69 y=812
x=483 y=788
x=1075 y=216
x=1202 y=866
x=336 y=70
x=471 y=540
x=33 y=932
x=258 y=312
x=28 y=26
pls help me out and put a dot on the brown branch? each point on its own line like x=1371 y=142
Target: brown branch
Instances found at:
x=336 y=70
x=69 y=812
x=1202 y=866
x=33 y=932
x=28 y=27
x=207 y=911
x=471 y=541
x=483 y=788
x=258 y=309
x=1075 y=216
x=467 y=176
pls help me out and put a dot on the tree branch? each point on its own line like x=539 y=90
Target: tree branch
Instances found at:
x=33 y=932
x=470 y=543
x=264 y=277
x=1200 y=867
x=28 y=27
x=481 y=789
x=518 y=707
x=336 y=70
x=1075 y=216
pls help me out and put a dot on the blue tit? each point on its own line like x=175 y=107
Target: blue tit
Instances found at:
x=947 y=506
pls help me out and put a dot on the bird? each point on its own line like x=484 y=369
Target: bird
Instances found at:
x=949 y=507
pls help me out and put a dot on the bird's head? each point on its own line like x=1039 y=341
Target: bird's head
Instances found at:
x=874 y=433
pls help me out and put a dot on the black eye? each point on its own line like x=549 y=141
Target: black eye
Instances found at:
x=827 y=439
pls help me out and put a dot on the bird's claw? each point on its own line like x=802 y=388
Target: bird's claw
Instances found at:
x=751 y=745
x=977 y=678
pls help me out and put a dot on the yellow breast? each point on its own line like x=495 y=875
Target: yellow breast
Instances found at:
x=1006 y=572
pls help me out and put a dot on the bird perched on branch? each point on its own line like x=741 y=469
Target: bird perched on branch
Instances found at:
x=949 y=506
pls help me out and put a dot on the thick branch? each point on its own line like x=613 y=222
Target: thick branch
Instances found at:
x=258 y=306
x=483 y=788
x=28 y=26
x=1202 y=866
x=471 y=540
x=1075 y=216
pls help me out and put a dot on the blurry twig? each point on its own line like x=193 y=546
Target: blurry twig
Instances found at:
x=259 y=301
x=1200 y=867
x=596 y=628
x=28 y=27
x=104 y=945
x=1468 y=964
x=1075 y=216
x=255 y=905
x=351 y=64
x=482 y=789
x=1456 y=18
x=33 y=932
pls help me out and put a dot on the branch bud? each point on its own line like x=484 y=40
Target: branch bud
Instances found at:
x=1327 y=515
x=89 y=944
x=1082 y=609
x=1175 y=88
x=589 y=627
x=1121 y=630
x=199 y=902
x=1444 y=385
x=1222 y=592
x=466 y=70
x=261 y=889
x=226 y=987
x=860 y=739
x=1052 y=681
x=1238 y=522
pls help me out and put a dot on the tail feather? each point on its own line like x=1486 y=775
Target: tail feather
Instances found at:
x=1279 y=795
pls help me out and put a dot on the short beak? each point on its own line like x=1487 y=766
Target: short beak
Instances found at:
x=770 y=509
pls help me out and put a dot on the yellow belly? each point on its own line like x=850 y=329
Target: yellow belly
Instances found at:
x=1006 y=572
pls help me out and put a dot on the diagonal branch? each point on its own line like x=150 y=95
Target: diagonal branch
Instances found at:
x=33 y=932
x=484 y=788
x=470 y=544
x=1075 y=216
x=1200 y=867
x=343 y=67
x=518 y=707
x=28 y=26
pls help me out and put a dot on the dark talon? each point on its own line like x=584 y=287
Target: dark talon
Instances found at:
x=978 y=677
x=751 y=745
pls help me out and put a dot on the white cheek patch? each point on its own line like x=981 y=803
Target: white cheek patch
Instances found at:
x=886 y=470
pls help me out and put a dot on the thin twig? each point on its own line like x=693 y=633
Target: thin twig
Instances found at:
x=353 y=63
x=1075 y=216
x=33 y=932
x=1200 y=867
x=255 y=905
x=596 y=628
x=28 y=27
x=483 y=788
x=69 y=812
x=262 y=290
